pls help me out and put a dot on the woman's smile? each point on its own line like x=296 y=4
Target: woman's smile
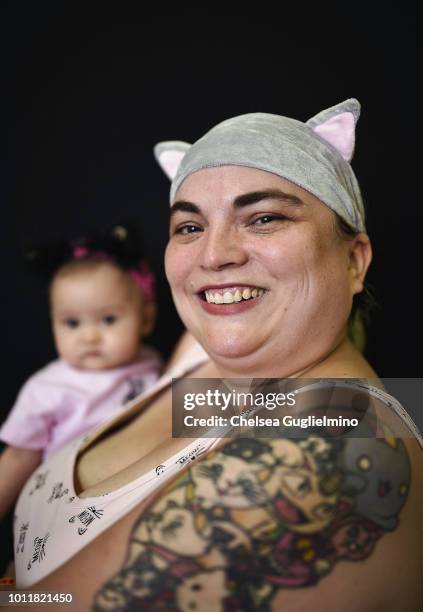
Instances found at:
x=230 y=299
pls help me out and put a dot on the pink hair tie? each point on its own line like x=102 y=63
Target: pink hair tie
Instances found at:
x=144 y=278
x=79 y=252
x=142 y=275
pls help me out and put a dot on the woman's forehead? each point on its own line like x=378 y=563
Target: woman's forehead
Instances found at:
x=228 y=184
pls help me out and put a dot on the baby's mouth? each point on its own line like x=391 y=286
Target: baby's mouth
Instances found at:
x=231 y=295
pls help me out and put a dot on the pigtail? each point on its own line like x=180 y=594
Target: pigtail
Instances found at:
x=42 y=261
x=120 y=243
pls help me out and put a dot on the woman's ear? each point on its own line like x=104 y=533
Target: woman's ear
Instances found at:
x=360 y=256
x=149 y=312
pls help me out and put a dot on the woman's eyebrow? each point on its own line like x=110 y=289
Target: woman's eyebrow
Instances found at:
x=184 y=206
x=243 y=200
x=267 y=194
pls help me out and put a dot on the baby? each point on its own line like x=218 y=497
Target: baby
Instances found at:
x=101 y=295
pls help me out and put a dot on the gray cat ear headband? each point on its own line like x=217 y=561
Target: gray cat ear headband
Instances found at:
x=314 y=155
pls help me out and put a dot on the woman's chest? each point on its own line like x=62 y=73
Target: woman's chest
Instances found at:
x=125 y=454
x=132 y=449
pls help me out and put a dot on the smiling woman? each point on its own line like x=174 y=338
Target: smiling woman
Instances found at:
x=265 y=281
x=250 y=230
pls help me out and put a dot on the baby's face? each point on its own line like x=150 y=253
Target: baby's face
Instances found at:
x=99 y=316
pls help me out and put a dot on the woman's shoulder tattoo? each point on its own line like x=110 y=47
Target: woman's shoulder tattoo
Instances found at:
x=258 y=516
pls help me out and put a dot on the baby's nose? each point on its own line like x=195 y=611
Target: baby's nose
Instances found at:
x=91 y=334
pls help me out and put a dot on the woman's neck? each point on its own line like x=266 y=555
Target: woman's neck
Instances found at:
x=342 y=361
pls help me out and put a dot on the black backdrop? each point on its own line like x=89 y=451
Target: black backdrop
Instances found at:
x=92 y=89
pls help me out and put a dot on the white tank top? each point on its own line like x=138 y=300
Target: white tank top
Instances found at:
x=52 y=524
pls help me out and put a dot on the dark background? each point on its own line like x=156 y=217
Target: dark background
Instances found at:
x=90 y=91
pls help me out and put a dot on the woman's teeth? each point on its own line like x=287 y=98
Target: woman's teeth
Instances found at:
x=231 y=296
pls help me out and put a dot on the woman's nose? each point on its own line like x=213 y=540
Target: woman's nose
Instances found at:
x=223 y=247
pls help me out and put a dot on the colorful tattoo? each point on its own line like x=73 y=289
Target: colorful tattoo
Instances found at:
x=258 y=516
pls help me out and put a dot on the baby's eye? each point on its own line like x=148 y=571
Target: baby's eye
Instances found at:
x=71 y=323
x=109 y=319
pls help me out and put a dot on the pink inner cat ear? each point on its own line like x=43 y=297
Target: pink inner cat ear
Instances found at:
x=169 y=161
x=169 y=156
x=339 y=131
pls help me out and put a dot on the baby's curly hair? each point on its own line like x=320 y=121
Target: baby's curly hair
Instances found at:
x=120 y=244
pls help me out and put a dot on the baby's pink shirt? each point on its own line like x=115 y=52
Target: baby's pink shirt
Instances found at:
x=59 y=402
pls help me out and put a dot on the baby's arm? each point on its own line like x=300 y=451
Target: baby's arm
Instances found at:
x=25 y=432
x=16 y=465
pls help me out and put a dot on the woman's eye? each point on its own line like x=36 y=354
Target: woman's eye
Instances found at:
x=109 y=319
x=71 y=323
x=266 y=219
x=187 y=229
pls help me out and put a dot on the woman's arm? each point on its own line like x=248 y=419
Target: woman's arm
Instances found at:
x=16 y=466
x=286 y=524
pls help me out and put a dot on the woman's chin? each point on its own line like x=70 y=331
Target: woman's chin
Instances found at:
x=229 y=347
